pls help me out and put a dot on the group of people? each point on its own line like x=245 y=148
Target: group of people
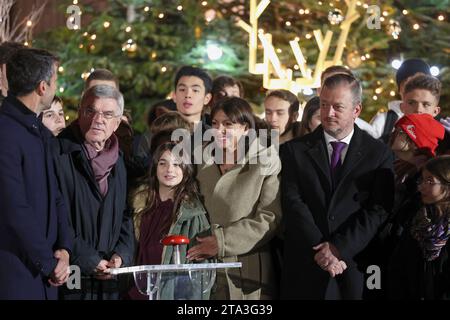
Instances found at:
x=305 y=211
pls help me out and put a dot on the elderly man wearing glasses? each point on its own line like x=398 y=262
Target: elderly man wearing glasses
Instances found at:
x=92 y=176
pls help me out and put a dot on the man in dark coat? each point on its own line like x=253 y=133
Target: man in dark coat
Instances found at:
x=337 y=189
x=92 y=176
x=34 y=234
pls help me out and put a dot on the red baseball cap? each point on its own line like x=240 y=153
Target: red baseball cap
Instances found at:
x=423 y=130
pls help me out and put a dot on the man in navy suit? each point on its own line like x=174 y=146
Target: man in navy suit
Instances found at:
x=34 y=235
x=337 y=190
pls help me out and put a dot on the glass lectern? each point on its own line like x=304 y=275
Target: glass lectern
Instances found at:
x=175 y=281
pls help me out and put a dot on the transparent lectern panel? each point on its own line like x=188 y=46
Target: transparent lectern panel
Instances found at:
x=175 y=281
x=178 y=285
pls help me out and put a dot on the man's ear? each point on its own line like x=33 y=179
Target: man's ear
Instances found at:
x=207 y=99
x=41 y=88
x=436 y=111
x=357 y=110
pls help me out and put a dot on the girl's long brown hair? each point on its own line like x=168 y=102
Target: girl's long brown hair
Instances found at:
x=186 y=191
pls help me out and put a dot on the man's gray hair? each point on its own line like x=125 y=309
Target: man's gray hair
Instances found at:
x=104 y=91
x=353 y=83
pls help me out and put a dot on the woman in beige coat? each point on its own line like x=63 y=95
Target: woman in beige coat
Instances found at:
x=240 y=185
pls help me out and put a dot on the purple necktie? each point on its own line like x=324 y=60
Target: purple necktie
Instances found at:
x=336 y=156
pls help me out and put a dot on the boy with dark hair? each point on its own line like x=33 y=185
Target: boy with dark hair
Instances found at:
x=192 y=92
x=281 y=109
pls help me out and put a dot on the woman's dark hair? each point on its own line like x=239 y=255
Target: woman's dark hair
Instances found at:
x=186 y=191
x=439 y=167
x=237 y=109
x=311 y=107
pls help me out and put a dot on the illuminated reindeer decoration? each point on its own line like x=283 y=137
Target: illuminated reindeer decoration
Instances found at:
x=272 y=65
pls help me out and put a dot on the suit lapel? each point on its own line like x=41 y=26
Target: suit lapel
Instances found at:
x=319 y=154
x=353 y=157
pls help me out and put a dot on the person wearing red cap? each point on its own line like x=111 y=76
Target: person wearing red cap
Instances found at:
x=414 y=142
x=423 y=132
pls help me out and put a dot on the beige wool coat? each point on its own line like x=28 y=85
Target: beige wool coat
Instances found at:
x=245 y=213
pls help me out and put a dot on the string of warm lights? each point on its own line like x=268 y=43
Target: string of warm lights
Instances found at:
x=389 y=19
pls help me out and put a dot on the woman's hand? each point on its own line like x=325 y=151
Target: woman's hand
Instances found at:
x=206 y=248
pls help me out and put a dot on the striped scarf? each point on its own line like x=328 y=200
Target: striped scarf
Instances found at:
x=431 y=228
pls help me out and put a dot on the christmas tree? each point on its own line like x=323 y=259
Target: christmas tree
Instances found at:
x=144 y=42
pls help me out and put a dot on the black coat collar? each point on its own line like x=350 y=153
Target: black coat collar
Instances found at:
x=15 y=109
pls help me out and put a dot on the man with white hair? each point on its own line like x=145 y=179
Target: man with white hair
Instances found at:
x=92 y=177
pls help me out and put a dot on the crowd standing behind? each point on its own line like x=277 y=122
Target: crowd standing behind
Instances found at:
x=306 y=206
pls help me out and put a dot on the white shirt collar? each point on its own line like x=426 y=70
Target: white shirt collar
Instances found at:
x=347 y=139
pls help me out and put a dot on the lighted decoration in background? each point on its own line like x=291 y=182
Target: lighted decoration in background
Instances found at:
x=396 y=64
x=255 y=12
x=240 y=9
x=129 y=46
x=272 y=65
x=214 y=51
x=434 y=71
x=354 y=59
x=198 y=32
x=394 y=28
x=308 y=92
x=335 y=16
x=210 y=15
x=85 y=75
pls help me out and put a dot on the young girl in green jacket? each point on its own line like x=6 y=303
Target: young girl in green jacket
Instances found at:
x=167 y=204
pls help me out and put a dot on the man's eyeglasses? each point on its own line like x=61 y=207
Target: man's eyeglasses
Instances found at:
x=91 y=112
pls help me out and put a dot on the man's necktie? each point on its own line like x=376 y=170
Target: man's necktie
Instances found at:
x=336 y=162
